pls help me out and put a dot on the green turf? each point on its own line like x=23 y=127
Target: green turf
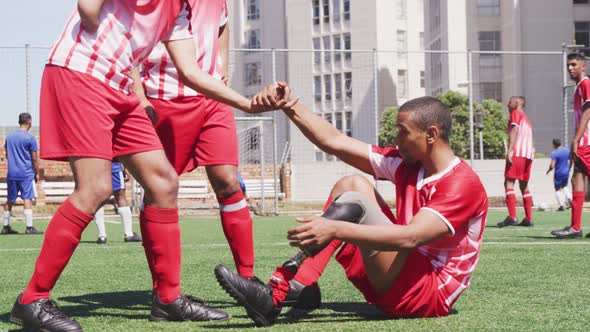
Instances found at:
x=526 y=280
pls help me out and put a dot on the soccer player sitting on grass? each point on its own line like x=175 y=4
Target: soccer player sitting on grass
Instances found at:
x=415 y=265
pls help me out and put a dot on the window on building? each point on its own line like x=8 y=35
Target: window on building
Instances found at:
x=400 y=9
x=436 y=64
x=489 y=41
x=337 y=48
x=317 y=53
x=402 y=83
x=338 y=86
x=253 y=39
x=253 y=138
x=422 y=82
x=490 y=90
x=315 y=8
x=348 y=123
x=582 y=35
x=317 y=88
x=328 y=117
x=348 y=85
x=421 y=40
x=347 y=46
x=253 y=73
x=402 y=43
x=488 y=7
x=339 y=124
x=327 y=49
x=336 y=11
x=253 y=10
x=328 y=87
x=581 y=1
x=346 y=9
x=326 y=10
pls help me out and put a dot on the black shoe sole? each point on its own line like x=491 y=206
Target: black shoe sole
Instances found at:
x=19 y=321
x=258 y=318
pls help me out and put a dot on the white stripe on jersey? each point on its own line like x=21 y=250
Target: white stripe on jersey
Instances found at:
x=127 y=33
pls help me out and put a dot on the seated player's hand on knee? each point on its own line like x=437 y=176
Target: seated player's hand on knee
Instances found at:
x=315 y=232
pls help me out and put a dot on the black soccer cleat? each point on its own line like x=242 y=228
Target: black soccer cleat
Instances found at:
x=507 y=222
x=33 y=231
x=101 y=240
x=303 y=297
x=132 y=238
x=567 y=233
x=185 y=308
x=526 y=223
x=42 y=315
x=253 y=295
x=7 y=230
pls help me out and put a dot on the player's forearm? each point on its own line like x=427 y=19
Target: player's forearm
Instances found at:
x=214 y=89
x=224 y=49
x=512 y=139
x=377 y=237
x=319 y=131
x=583 y=124
x=89 y=11
x=138 y=87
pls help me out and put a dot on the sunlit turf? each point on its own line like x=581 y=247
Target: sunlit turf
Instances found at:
x=526 y=280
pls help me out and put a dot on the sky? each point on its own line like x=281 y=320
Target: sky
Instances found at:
x=37 y=23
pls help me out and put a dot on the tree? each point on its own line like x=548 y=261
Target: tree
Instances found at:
x=494 y=125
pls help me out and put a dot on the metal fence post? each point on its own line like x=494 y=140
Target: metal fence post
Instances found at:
x=261 y=153
x=470 y=93
x=376 y=101
x=28 y=77
x=274 y=139
x=565 y=118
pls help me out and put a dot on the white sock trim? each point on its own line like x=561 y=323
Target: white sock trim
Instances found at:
x=233 y=207
x=125 y=214
x=6 y=218
x=28 y=217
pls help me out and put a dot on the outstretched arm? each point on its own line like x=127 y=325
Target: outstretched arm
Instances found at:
x=326 y=137
x=89 y=11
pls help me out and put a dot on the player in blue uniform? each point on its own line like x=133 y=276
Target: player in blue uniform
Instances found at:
x=119 y=176
x=23 y=171
x=560 y=161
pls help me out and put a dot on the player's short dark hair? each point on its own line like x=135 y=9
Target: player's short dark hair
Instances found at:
x=24 y=118
x=556 y=142
x=429 y=111
x=578 y=55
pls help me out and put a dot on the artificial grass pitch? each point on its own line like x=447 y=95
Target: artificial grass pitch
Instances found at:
x=525 y=280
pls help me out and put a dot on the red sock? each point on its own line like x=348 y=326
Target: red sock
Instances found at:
x=511 y=204
x=577 y=205
x=237 y=227
x=61 y=239
x=161 y=242
x=311 y=269
x=527 y=200
x=146 y=243
x=280 y=284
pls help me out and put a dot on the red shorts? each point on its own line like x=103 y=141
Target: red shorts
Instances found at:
x=520 y=169
x=582 y=160
x=81 y=116
x=196 y=131
x=414 y=293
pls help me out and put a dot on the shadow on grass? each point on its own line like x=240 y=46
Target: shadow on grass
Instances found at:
x=127 y=304
x=341 y=312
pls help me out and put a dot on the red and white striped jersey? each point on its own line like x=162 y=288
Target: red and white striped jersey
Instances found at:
x=523 y=147
x=127 y=33
x=159 y=76
x=457 y=196
x=581 y=97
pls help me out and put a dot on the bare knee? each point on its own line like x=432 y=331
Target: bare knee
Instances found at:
x=164 y=188
x=353 y=182
x=89 y=196
x=224 y=179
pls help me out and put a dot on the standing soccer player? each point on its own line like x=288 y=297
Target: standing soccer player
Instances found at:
x=119 y=177
x=196 y=130
x=560 y=161
x=580 y=151
x=89 y=116
x=23 y=172
x=518 y=162
x=415 y=266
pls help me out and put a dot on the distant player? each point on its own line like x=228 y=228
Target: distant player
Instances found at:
x=560 y=162
x=415 y=266
x=580 y=150
x=23 y=172
x=119 y=176
x=519 y=160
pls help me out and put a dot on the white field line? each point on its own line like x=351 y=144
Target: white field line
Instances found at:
x=281 y=244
